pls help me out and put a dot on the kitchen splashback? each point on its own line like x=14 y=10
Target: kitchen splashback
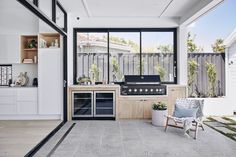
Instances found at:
x=31 y=69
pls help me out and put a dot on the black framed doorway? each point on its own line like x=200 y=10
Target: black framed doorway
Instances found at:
x=33 y=7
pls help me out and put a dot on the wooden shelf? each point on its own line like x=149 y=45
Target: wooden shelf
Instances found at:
x=49 y=40
x=26 y=52
x=34 y=49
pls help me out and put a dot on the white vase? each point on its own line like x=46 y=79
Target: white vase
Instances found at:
x=159 y=117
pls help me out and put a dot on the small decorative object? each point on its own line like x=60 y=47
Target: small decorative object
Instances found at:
x=32 y=44
x=94 y=71
x=9 y=82
x=159 y=113
x=22 y=79
x=35 y=59
x=28 y=61
x=83 y=80
x=56 y=43
x=35 y=82
x=43 y=43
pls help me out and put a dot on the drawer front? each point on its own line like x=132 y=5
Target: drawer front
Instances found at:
x=7 y=100
x=27 y=108
x=27 y=94
x=8 y=109
x=7 y=92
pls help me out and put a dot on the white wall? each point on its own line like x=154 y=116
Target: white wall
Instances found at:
x=15 y=19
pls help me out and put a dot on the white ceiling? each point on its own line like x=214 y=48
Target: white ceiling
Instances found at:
x=129 y=8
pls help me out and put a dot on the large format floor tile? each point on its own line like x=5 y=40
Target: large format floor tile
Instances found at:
x=137 y=138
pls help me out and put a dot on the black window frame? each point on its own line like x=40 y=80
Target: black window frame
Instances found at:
x=55 y=4
x=138 y=30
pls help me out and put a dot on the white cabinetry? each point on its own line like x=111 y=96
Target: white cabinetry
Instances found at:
x=8 y=101
x=15 y=101
x=27 y=101
x=9 y=49
x=50 y=79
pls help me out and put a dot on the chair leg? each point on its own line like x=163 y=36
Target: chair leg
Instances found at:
x=202 y=126
x=196 y=130
x=167 y=120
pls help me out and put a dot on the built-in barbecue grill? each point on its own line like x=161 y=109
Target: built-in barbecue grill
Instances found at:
x=143 y=85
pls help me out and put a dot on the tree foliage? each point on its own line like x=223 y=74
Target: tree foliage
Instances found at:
x=192 y=72
x=122 y=41
x=161 y=71
x=192 y=47
x=211 y=73
x=218 y=46
x=165 y=49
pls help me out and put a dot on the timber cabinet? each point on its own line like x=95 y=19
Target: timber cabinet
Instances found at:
x=125 y=107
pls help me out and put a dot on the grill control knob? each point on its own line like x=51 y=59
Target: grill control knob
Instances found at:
x=130 y=90
x=140 y=90
x=135 y=90
x=151 y=90
x=146 y=90
x=156 y=90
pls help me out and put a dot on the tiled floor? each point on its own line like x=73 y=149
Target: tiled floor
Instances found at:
x=136 y=138
x=18 y=137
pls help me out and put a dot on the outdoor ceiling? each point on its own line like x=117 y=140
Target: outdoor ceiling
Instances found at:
x=130 y=8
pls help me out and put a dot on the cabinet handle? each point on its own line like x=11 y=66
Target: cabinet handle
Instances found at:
x=172 y=90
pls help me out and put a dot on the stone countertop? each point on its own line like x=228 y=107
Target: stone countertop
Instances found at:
x=7 y=87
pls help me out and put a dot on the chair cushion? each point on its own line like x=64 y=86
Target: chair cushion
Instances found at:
x=185 y=112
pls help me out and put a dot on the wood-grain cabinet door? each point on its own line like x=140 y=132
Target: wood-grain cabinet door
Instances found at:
x=174 y=93
x=130 y=109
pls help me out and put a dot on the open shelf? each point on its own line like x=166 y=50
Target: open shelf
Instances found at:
x=29 y=48
x=49 y=40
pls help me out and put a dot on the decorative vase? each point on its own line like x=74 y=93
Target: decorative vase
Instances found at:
x=159 y=117
x=22 y=79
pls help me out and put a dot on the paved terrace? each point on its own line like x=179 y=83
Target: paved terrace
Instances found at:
x=135 y=138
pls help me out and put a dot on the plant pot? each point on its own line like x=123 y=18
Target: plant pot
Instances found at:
x=159 y=117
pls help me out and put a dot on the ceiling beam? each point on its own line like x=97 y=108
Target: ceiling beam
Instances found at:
x=85 y=5
x=166 y=7
x=198 y=10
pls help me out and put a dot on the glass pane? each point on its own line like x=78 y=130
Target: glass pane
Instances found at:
x=92 y=56
x=104 y=112
x=104 y=95
x=107 y=103
x=158 y=55
x=59 y=17
x=124 y=51
x=82 y=112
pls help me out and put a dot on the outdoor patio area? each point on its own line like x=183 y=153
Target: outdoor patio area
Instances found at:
x=134 y=138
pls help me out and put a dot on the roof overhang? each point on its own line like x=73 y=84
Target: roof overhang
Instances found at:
x=230 y=39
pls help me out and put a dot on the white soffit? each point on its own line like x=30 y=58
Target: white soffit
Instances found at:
x=185 y=10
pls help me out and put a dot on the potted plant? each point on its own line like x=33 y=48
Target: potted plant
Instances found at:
x=159 y=111
x=94 y=71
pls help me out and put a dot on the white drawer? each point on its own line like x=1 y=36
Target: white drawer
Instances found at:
x=7 y=91
x=7 y=100
x=8 y=109
x=27 y=94
x=26 y=107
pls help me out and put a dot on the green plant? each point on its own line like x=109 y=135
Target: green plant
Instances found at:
x=161 y=71
x=94 y=72
x=192 y=72
x=218 y=46
x=83 y=79
x=159 y=106
x=211 y=73
x=115 y=68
